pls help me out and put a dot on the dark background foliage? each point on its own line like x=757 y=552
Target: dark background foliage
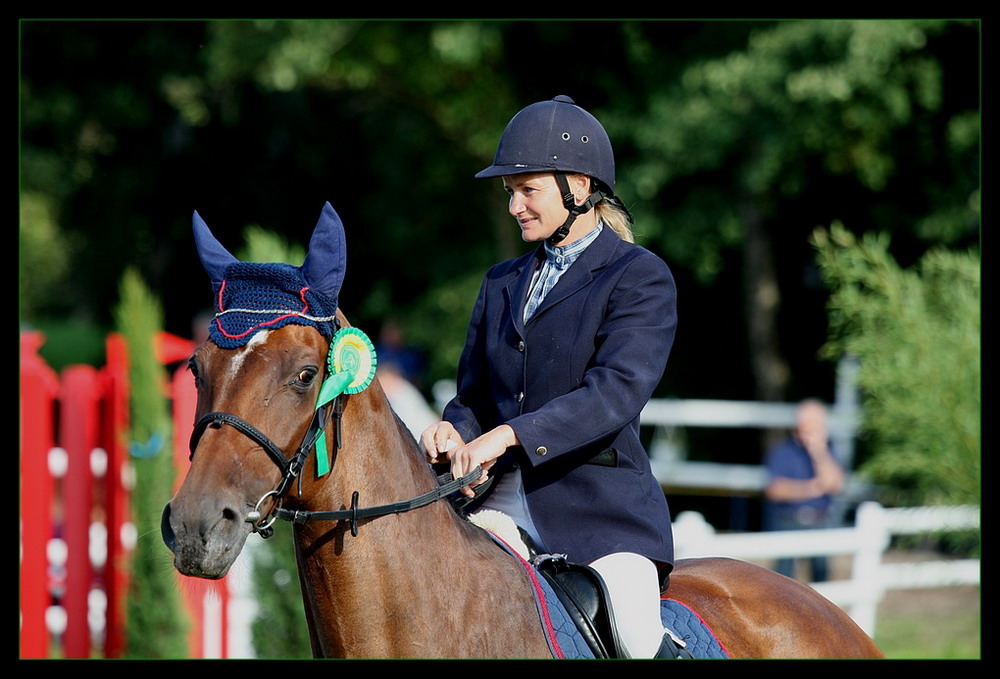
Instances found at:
x=734 y=141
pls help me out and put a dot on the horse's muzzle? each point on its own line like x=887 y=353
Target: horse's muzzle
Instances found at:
x=203 y=548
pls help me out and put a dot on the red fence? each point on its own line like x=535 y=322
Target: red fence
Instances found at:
x=76 y=530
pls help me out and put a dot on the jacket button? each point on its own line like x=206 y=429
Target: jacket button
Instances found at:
x=520 y=345
x=541 y=450
x=520 y=397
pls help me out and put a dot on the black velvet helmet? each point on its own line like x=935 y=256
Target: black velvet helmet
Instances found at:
x=555 y=136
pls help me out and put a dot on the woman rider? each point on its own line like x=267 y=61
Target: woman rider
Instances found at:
x=565 y=347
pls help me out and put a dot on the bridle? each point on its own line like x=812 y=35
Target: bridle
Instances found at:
x=291 y=468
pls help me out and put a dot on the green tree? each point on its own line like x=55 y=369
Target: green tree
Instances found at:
x=156 y=625
x=803 y=123
x=733 y=140
x=917 y=334
x=278 y=594
x=416 y=107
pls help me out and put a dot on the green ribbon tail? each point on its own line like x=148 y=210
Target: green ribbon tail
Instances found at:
x=332 y=388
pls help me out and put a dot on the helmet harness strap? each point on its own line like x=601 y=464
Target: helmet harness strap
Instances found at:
x=569 y=201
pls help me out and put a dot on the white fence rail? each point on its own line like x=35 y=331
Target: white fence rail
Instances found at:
x=866 y=542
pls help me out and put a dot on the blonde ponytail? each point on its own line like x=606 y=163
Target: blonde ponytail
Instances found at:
x=615 y=217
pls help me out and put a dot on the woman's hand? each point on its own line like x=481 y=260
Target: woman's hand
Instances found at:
x=484 y=452
x=438 y=439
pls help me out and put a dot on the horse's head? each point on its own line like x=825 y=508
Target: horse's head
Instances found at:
x=258 y=377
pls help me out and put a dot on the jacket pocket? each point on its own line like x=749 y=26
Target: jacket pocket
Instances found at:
x=606 y=458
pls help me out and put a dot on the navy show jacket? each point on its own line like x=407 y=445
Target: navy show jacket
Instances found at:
x=571 y=383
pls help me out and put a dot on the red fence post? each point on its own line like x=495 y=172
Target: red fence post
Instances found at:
x=93 y=414
x=79 y=429
x=118 y=482
x=37 y=390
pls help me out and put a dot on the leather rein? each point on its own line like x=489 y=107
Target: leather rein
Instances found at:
x=291 y=468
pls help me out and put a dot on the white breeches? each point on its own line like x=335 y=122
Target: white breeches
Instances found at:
x=632 y=580
x=634 y=586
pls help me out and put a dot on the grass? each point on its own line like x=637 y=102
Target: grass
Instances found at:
x=931 y=624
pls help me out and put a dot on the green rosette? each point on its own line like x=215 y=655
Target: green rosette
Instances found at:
x=351 y=368
x=351 y=351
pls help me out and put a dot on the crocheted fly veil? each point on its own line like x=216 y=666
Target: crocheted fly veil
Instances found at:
x=250 y=297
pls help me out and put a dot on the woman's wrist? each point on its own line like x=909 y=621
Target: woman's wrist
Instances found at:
x=509 y=436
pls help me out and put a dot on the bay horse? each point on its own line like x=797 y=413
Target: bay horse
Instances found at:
x=417 y=580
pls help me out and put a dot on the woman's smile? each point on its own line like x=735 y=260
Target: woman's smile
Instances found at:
x=536 y=204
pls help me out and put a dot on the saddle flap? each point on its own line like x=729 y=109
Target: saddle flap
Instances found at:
x=582 y=592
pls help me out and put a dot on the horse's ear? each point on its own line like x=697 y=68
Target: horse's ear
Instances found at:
x=214 y=257
x=326 y=261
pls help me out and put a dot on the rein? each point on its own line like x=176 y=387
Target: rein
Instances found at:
x=352 y=515
x=291 y=468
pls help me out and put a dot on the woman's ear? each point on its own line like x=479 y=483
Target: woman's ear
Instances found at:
x=579 y=184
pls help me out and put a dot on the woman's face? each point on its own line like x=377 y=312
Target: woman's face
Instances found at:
x=536 y=203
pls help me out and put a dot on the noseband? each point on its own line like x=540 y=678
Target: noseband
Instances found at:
x=291 y=468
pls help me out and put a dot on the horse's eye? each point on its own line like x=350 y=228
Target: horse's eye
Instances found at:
x=193 y=367
x=306 y=376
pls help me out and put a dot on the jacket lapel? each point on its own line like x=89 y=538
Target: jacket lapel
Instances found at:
x=594 y=258
x=516 y=290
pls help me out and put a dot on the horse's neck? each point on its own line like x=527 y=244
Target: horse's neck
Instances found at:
x=379 y=455
x=419 y=566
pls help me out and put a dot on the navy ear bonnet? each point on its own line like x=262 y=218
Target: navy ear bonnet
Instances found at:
x=250 y=297
x=255 y=297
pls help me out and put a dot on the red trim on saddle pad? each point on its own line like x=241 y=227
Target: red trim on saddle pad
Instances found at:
x=549 y=628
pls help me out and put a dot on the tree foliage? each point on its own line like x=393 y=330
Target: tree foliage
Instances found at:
x=737 y=155
x=733 y=139
x=800 y=103
x=279 y=629
x=917 y=334
x=156 y=623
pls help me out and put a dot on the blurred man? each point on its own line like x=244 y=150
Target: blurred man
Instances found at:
x=803 y=478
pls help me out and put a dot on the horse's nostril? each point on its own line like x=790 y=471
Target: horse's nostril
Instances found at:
x=165 y=530
x=228 y=514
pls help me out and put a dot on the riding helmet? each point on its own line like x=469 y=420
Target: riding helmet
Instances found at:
x=555 y=136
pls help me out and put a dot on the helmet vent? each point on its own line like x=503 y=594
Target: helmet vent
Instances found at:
x=565 y=136
x=584 y=139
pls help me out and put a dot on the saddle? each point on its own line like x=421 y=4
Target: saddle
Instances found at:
x=579 y=588
x=583 y=594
